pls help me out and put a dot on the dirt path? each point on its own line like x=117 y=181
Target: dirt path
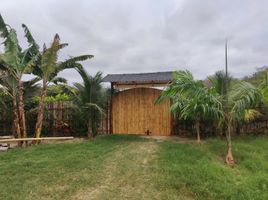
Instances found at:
x=126 y=174
x=182 y=140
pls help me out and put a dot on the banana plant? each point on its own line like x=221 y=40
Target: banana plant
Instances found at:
x=47 y=69
x=17 y=62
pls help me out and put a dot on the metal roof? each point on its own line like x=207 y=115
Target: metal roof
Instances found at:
x=139 y=77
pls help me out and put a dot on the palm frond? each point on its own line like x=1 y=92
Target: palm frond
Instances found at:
x=79 y=86
x=191 y=98
x=243 y=96
x=94 y=106
x=251 y=114
x=264 y=92
x=84 y=75
x=57 y=80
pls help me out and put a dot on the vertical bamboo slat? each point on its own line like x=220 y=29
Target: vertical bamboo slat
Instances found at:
x=134 y=112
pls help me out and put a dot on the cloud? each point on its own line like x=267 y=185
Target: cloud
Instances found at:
x=149 y=35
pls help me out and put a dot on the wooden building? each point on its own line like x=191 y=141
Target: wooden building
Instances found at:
x=133 y=109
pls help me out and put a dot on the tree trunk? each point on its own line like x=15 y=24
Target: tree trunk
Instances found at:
x=16 y=127
x=224 y=129
x=22 y=122
x=197 y=126
x=229 y=157
x=94 y=124
x=89 y=129
x=40 y=114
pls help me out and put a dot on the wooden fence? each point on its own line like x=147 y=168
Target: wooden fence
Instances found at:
x=208 y=129
x=62 y=120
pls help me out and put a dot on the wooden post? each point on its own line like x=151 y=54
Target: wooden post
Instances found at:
x=111 y=108
x=107 y=118
x=172 y=131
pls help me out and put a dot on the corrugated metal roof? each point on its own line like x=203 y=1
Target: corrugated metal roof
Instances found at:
x=139 y=77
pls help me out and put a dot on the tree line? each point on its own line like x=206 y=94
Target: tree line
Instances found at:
x=45 y=65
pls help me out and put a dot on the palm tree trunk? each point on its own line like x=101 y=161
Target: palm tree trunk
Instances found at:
x=229 y=157
x=94 y=124
x=197 y=126
x=89 y=129
x=22 y=121
x=40 y=115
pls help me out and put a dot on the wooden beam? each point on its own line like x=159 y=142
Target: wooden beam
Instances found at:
x=111 y=109
x=35 y=139
x=140 y=82
x=6 y=137
x=139 y=85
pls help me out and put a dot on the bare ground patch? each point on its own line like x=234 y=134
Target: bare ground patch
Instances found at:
x=182 y=140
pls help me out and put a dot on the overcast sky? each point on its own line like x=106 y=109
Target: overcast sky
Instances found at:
x=149 y=35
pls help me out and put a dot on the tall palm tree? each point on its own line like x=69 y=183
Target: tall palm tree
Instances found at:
x=90 y=100
x=242 y=99
x=192 y=99
x=220 y=82
x=47 y=69
x=17 y=62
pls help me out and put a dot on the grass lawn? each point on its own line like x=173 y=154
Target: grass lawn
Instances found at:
x=131 y=167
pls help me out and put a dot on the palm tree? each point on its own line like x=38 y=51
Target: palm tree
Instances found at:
x=220 y=83
x=238 y=106
x=242 y=99
x=263 y=86
x=90 y=100
x=17 y=62
x=192 y=99
x=47 y=69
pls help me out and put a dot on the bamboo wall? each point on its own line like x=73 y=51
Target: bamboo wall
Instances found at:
x=134 y=112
